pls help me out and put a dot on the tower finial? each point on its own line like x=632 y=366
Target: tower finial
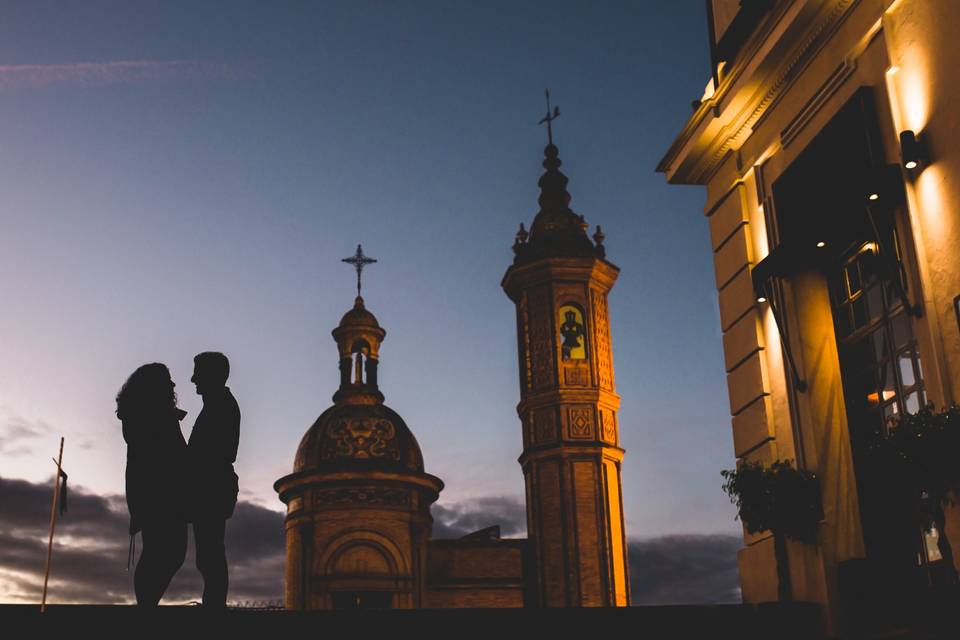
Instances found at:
x=359 y=261
x=549 y=118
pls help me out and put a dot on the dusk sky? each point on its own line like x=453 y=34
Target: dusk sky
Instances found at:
x=177 y=177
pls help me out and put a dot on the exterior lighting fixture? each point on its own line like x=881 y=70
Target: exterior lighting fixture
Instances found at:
x=956 y=308
x=874 y=196
x=761 y=299
x=821 y=244
x=911 y=151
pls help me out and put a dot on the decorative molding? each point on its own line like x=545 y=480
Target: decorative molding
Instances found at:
x=803 y=54
x=694 y=158
x=580 y=423
x=820 y=97
x=608 y=426
x=365 y=496
x=361 y=438
x=544 y=426
x=541 y=337
x=601 y=338
x=523 y=318
x=575 y=376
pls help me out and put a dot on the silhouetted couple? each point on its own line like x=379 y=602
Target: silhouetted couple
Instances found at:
x=172 y=482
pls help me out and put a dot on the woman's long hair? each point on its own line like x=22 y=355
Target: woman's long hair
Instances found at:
x=148 y=389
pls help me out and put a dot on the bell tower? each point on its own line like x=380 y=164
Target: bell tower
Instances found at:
x=559 y=282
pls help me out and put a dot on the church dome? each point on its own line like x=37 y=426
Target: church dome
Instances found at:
x=359 y=437
x=358 y=317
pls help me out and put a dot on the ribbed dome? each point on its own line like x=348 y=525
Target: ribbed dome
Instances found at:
x=355 y=437
x=358 y=317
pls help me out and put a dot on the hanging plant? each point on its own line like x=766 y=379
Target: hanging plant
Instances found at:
x=780 y=499
x=925 y=447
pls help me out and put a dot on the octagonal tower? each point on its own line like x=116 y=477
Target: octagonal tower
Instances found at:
x=559 y=281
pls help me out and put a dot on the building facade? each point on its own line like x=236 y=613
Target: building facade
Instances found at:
x=358 y=525
x=828 y=142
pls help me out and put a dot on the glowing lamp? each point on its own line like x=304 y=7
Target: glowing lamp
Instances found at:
x=821 y=244
x=911 y=151
x=873 y=196
x=761 y=299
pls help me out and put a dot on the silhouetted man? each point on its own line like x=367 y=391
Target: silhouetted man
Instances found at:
x=211 y=451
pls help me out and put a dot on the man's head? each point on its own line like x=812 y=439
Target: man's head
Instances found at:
x=571 y=316
x=210 y=371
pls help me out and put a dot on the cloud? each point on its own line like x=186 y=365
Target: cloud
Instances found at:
x=90 y=555
x=685 y=569
x=90 y=552
x=26 y=77
x=16 y=434
x=460 y=518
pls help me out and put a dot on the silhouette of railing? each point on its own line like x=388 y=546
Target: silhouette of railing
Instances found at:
x=256 y=605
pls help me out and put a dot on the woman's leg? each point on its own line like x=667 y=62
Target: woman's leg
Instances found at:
x=164 y=549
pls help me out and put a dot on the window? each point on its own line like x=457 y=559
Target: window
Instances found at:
x=878 y=352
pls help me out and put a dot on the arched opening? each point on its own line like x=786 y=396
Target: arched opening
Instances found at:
x=364 y=570
x=360 y=350
x=363 y=575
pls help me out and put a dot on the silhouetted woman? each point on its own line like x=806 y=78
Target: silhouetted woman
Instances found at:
x=156 y=456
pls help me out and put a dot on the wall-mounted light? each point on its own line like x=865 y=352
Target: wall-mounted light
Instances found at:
x=911 y=151
x=956 y=308
x=873 y=196
x=821 y=244
x=761 y=299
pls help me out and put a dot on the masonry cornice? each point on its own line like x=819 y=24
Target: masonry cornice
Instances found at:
x=771 y=61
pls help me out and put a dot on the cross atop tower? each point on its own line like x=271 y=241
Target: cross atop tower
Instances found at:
x=549 y=118
x=359 y=261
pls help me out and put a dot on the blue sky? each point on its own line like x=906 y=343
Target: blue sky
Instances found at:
x=186 y=176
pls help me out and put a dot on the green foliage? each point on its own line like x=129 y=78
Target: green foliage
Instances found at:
x=924 y=450
x=778 y=498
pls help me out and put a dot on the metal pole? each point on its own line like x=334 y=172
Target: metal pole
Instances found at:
x=53 y=524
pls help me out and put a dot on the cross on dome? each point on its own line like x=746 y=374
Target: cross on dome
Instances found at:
x=359 y=261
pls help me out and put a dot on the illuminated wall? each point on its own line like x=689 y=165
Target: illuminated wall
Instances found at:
x=802 y=64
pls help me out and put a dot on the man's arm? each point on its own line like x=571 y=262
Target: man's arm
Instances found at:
x=231 y=430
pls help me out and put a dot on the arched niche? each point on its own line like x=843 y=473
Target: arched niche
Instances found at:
x=329 y=561
x=572 y=332
x=361 y=558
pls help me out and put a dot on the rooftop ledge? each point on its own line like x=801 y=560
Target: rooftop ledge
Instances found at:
x=787 y=621
x=772 y=58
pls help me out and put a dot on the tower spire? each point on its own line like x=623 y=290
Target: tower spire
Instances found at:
x=556 y=232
